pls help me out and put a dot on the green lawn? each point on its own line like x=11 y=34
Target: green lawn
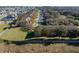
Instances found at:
x=14 y=34
x=3 y=26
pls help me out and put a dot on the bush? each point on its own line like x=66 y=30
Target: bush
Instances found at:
x=72 y=31
x=51 y=31
x=61 y=30
x=37 y=31
x=57 y=30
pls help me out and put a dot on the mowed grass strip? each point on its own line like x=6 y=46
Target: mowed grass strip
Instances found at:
x=14 y=34
x=2 y=26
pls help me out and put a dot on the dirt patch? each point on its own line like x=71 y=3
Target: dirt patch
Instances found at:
x=38 y=48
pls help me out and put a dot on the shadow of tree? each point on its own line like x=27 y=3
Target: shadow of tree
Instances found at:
x=41 y=41
x=29 y=35
x=73 y=44
x=23 y=29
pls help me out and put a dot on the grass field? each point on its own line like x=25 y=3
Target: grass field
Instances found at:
x=3 y=26
x=14 y=34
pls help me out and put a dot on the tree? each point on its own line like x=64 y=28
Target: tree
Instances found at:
x=60 y=30
x=37 y=31
x=72 y=31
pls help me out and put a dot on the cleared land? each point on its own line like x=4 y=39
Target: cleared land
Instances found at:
x=39 y=48
x=14 y=34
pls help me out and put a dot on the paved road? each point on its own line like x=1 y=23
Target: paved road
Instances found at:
x=36 y=20
x=39 y=19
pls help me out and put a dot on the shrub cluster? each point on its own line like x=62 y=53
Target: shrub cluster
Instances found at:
x=57 y=31
x=55 y=18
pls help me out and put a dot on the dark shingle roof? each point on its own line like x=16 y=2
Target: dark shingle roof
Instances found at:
x=9 y=17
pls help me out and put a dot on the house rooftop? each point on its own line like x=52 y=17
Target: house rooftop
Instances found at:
x=9 y=17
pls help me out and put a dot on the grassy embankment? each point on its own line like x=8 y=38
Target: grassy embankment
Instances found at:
x=58 y=38
x=2 y=26
x=14 y=34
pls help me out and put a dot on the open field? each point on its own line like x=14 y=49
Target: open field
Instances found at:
x=39 y=48
x=14 y=34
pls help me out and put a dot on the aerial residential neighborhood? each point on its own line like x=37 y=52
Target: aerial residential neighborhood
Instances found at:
x=11 y=14
x=39 y=29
